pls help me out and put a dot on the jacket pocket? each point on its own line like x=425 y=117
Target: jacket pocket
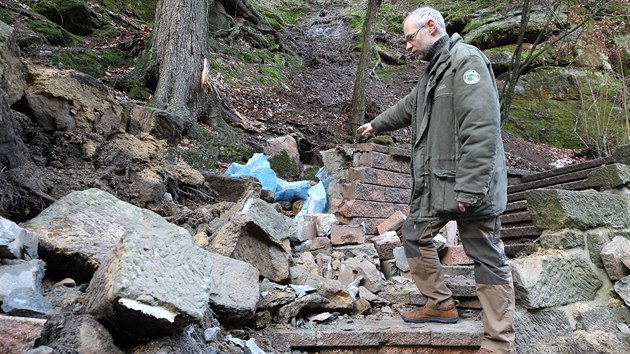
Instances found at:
x=443 y=196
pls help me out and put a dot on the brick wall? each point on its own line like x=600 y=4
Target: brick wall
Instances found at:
x=374 y=184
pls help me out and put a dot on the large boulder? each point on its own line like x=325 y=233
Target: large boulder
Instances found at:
x=152 y=283
x=558 y=209
x=80 y=229
x=610 y=177
x=72 y=15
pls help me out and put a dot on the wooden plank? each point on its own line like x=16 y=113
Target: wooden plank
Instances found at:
x=521 y=231
x=519 y=205
x=515 y=218
x=550 y=181
x=568 y=169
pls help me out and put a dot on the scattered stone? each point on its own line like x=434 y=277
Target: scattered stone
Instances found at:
x=385 y=244
x=211 y=334
x=236 y=291
x=67 y=282
x=609 y=177
x=622 y=288
x=401 y=259
x=392 y=223
x=27 y=302
x=616 y=257
x=362 y=307
x=21 y=274
x=347 y=235
x=320 y=245
x=361 y=266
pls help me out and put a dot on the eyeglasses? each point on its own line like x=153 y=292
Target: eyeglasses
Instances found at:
x=409 y=38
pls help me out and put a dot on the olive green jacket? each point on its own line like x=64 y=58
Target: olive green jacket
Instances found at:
x=457 y=151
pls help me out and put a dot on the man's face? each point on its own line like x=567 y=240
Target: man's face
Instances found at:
x=417 y=39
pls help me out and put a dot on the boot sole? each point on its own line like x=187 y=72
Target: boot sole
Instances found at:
x=432 y=319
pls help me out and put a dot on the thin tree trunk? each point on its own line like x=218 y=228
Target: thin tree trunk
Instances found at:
x=358 y=95
x=179 y=44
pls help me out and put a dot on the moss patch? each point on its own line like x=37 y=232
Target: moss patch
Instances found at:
x=92 y=62
x=54 y=34
x=284 y=166
x=215 y=144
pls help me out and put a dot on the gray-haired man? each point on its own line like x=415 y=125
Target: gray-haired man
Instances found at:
x=459 y=173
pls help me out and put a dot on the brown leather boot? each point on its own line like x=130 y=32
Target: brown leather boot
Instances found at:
x=446 y=314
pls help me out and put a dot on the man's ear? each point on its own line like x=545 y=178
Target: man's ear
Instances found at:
x=432 y=26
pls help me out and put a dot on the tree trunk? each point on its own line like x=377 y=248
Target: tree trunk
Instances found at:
x=358 y=95
x=179 y=45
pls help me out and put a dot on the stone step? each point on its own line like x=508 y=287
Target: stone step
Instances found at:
x=387 y=335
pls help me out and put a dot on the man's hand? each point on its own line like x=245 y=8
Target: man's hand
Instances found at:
x=366 y=130
x=462 y=206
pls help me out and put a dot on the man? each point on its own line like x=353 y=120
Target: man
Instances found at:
x=459 y=173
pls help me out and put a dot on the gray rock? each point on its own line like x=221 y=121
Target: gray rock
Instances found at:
x=236 y=291
x=535 y=330
x=351 y=268
x=83 y=227
x=616 y=257
x=401 y=290
x=28 y=303
x=610 y=177
x=21 y=274
x=401 y=259
x=596 y=239
x=364 y=250
x=558 y=209
x=16 y=242
x=602 y=318
x=145 y=290
x=545 y=280
x=258 y=235
x=211 y=334
x=622 y=288
x=562 y=239
x=11 y=239
x=326 y=287
x=595 y=342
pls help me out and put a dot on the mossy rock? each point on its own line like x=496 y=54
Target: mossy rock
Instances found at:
x=566 y=107
x=284 y=166
x=72 y=15
x=94 y=63
x=53 y=33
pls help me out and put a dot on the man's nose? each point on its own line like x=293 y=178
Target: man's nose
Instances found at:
x=408 y=46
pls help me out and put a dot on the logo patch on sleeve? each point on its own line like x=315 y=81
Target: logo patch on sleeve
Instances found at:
x=471 y=77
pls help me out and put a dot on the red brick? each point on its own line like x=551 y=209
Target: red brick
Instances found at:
x=370 y=223
x=455 y=255
x=351 y=208
x=18 y=334
x=347 y=234
x=379 y=177
x=392 y=223
x=381 y=161
x=362 y=191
